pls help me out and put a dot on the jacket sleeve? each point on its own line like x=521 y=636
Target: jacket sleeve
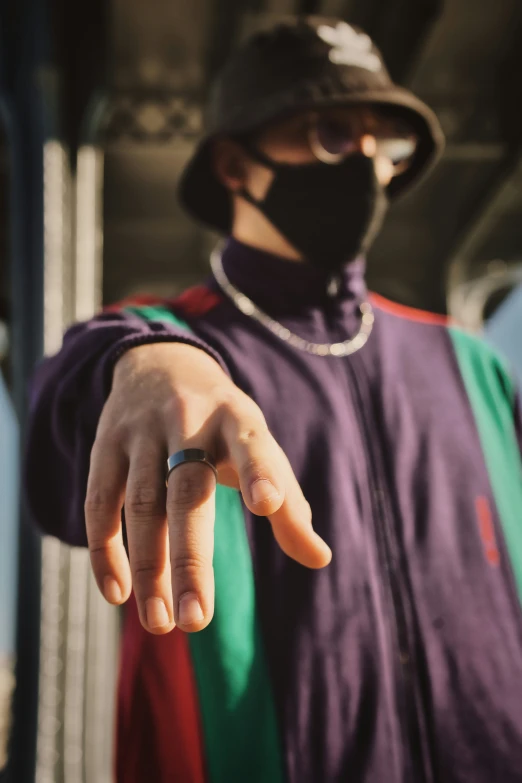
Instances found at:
x=67 y=395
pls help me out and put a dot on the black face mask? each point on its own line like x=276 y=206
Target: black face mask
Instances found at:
x=331 y=213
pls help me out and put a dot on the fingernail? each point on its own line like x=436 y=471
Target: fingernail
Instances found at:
x=157 y=615
x=112 y=590
x=263 y=490
x=190 y=611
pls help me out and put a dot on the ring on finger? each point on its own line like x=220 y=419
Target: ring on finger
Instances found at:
x=189 y=455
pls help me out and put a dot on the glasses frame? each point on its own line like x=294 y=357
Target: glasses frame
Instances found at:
x=333 y=158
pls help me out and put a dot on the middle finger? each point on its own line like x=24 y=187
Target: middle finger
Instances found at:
x=147 y=535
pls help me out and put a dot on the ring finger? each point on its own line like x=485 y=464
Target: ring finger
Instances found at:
x=191 y=512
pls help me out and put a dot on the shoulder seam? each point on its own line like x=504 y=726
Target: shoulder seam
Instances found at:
x=141 y=300
x=409 y=313
x=195 y=301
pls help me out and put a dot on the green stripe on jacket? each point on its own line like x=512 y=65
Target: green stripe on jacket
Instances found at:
x=491 y=392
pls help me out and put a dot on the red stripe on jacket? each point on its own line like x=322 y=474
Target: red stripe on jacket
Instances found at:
x=195 y=302
x=159 y=736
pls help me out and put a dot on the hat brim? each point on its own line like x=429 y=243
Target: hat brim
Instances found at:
x=207 y=200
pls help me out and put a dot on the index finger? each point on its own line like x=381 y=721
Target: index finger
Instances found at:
x=270 y=488
x=292 y=523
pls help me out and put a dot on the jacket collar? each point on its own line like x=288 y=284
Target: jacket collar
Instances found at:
x=288 y=288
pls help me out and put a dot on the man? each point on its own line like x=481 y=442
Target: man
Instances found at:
x=399 y=660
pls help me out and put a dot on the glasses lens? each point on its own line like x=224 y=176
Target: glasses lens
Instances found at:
x=398 y=150
x=395 y=138
x=335 y=137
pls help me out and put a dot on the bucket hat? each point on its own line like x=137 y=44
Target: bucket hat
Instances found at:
x=291 y=68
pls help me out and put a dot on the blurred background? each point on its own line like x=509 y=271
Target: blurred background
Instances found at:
x=100 y=107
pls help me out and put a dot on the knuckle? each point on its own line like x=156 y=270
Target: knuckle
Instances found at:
x=110 y=431
x=254 y=470
x=146 y=568
x=184 y=417
x=99 y=548
x=255 y=420
x=251 y=407
x=185 y=410
x=119 y=428
x=229 y=400
x=175 y=408
x=187 y=485
x=96 y=504
x=237 y=404
x=249 y=435
x=248 y=419
x=189 y=564
x=144 y=501
x=141 y=424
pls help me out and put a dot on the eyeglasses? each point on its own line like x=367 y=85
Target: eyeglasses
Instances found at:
x=332 y=137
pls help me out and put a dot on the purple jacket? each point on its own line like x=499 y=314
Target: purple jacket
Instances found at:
x=402 y=660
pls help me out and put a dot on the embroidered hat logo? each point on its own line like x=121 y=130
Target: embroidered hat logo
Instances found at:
x=349 y=47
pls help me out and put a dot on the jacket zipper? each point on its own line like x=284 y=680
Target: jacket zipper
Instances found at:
x=384 y=534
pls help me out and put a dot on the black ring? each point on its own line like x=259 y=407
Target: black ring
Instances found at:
x=189 y=455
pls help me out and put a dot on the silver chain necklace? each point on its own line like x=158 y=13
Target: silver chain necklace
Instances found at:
x=247 y=306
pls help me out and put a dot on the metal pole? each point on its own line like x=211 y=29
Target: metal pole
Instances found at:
x=25 y=130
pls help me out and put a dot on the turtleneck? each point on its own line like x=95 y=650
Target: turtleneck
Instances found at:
x=296 y=291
